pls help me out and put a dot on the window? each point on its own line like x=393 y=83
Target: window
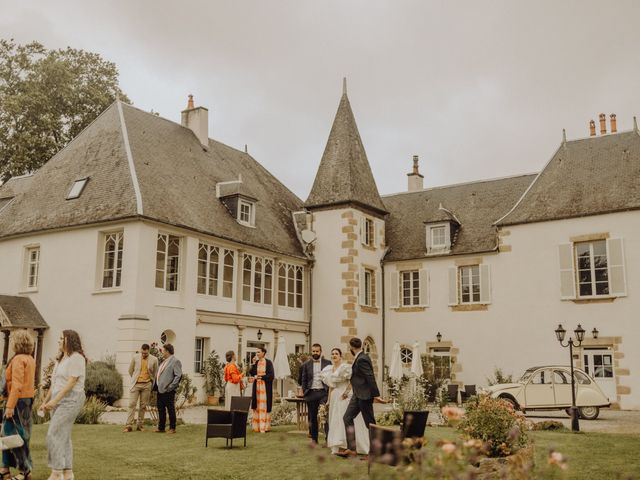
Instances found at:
x=469 y=284
x=198 y=363
x=168 y=262
x=543 y=377
x=368 y=295
x=441 y=357
x=257 y=279
x=112 y=262
x=290 y=285
x=213 y=263
x=592 y=268
x=77 y=188
x=368 y=232
x=602 y=366
x=300 y=348
x=410 y=288
x=438 y=237
x=33 y=267
x=406 y=356
x=246 y=213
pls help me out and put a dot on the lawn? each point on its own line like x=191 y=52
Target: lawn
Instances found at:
x=104 y=452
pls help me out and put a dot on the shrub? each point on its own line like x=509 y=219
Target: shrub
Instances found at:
x=283 y=413
x=389 y=418
x=295 y=362
x=213 y=380
x=549 y=425
x=91 y=410
x=499 y=377
x=103 y=381
x=496 y=424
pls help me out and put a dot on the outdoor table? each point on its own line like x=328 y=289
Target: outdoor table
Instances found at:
x=302 y=420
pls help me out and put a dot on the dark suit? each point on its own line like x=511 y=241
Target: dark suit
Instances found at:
x=365 y=389
x=313 y=397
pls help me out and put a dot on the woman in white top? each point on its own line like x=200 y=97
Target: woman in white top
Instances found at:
x=336 y=376
x=65 y=398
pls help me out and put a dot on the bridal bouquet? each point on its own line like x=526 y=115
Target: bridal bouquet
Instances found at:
x=323 y=414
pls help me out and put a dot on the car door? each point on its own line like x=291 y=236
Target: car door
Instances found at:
x=562 y=387
x=539 y=391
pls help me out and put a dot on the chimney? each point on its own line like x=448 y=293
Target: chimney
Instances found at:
x=614 y=126
x=592 y=128
x=415 y=180
x=603 y=124
x=197 y=119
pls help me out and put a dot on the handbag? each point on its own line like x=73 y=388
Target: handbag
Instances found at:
x=10 y=442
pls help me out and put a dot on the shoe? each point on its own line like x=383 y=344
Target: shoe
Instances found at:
x=346 y=453
x=140 y=429
x=127 y=429
x=171 y=431
x=157 y=430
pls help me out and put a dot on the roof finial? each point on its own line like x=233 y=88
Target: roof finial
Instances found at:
x=635 y=125
x=246 y=149
x=190 y=102
x=344 y=85
x=564 y=136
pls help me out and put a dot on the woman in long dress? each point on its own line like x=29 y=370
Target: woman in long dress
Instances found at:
x=233 y=377
x=336 y=376
x=262 y=398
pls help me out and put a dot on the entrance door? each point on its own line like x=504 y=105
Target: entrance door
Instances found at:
x=599 y=364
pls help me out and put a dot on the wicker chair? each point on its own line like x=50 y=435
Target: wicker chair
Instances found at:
x=229 y=424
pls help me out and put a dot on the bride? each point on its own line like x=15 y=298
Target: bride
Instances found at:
x=336 y=376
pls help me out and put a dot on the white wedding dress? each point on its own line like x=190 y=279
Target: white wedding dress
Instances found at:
x=338 y=381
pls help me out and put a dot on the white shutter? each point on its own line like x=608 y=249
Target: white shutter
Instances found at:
x=423 y=276
x=378 y=290
x=427 y=235
x=447 y=236
x=362 y=228
x=615 y=262
x=485 y=284
x=374 y=238
x=394 y=289
x=567 y=273
x=453 y=286
x=361 y=287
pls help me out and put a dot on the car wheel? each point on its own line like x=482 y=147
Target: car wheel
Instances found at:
x=589 y=413
x=511 y=401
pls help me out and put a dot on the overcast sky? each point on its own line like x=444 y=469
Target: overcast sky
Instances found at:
x=477 y=89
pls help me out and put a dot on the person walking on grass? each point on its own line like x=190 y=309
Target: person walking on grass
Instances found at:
x=19 y=376
x=65 y=399
x=262 y=376
x=142 y=370
x=167 y=381
x=315 y=391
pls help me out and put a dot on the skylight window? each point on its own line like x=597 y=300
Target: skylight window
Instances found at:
x=78 y=187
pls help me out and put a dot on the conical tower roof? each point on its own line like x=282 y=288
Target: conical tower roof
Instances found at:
x=344 y=175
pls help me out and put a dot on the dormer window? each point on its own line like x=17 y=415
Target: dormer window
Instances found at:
x=77 y=188
x=246 y=213
x=438 y=238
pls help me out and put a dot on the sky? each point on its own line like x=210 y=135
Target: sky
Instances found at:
x=477 y=89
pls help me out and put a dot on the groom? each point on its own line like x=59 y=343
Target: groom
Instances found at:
x=365 y=389
x=315 y=391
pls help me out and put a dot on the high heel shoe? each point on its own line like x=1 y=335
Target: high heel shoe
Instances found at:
x=56 y=475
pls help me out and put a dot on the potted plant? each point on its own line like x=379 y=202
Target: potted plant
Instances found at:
x=213 y=384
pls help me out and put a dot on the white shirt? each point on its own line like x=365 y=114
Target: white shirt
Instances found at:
x=72 y=366
x=317 y=380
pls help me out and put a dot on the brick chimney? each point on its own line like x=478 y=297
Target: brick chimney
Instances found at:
x=614 y=126
x=415 y=179
x=592 y=128
x=197 y=119
x=603 y=124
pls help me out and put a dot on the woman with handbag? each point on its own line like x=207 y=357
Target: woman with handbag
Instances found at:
x=20 y=379
x=66 y=398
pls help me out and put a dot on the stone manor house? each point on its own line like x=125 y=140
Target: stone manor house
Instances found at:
x=143 y=230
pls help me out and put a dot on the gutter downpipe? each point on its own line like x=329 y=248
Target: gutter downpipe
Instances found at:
x=384 y=306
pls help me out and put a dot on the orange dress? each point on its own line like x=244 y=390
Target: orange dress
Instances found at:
x=261 y=420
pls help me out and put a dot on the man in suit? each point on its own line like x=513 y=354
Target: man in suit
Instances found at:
x=142 y=370
x=365 y=390
x=315 y=391
x=167 y=380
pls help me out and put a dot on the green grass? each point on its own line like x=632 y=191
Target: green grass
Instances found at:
x=103 y=452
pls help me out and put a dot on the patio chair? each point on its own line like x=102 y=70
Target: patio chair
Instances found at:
x=385 y=446
x=452 y=392
x=468 y=392
x=413 y=424
x=229 y=424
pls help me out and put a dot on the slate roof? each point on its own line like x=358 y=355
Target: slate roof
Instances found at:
x=476 y=205
x=176 y=177
x=344 y=175
x=20 y=312
x=590 y=176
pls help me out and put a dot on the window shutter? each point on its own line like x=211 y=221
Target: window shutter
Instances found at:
x=485 y=284
x=453 y=286
x=361 y=287
x=374 y=233
x=394 y=289
x=428 y=237
x=378 y=290
x=362 y=227
x=447 y=236
x=567 y=273
x=615 y=261
x=423 y=276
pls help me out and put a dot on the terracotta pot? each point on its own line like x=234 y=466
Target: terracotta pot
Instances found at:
x=213 y=399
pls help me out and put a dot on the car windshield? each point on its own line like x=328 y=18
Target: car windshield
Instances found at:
x=527 y=375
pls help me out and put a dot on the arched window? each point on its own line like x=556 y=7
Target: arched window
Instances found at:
x=406 y=356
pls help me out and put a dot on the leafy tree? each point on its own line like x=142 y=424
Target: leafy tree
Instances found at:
x=46 y=98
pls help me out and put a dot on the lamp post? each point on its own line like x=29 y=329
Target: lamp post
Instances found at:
x=579 y=333
x=259 y=335
x=439 y=337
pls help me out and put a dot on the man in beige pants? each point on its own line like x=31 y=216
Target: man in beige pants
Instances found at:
x=142 y=369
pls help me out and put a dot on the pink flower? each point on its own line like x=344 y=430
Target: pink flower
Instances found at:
x=448 y=448
x=452 y=413
x=556 y=458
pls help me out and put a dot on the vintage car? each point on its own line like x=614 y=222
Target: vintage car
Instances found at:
x=549 y=388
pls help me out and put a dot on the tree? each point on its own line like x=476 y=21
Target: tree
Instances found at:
x=46 y=98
